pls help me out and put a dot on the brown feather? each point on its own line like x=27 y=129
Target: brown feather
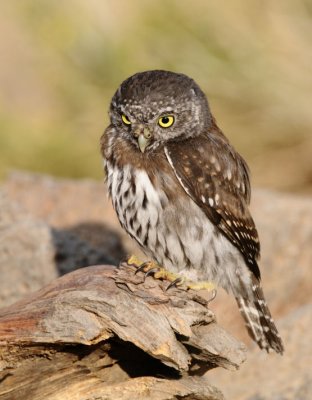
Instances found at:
x=216 y=177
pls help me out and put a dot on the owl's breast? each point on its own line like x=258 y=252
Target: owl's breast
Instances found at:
x=169 y=226
x=138 y=204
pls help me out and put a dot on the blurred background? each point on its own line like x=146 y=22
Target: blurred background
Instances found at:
x=62 y=61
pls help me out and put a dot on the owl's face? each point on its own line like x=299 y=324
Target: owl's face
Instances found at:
x=152 y=107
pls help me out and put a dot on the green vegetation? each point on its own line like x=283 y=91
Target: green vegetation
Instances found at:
x=62 y=62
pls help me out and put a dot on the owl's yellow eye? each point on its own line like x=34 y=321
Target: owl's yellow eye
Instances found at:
x=125 y=120
x=166 y=121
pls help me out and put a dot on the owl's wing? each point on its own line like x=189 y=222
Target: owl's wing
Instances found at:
x=217 y=180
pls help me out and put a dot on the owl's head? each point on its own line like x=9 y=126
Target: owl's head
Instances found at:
x=152 y=107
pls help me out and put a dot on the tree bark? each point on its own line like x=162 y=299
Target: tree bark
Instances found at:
x=103 y=332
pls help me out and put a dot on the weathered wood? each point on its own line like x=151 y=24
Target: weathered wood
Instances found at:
x=102 y=333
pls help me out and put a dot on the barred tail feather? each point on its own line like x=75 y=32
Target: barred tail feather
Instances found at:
x=258 y=319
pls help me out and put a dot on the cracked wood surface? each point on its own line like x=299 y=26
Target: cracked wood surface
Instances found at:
x=103 y=332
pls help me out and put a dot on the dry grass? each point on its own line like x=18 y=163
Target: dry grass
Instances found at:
x=62 y=61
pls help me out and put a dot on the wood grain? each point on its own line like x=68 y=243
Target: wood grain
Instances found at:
x=103 y=332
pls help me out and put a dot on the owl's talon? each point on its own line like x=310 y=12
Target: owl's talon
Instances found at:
x=138 y=270
x=213 y=296
x=141 y=267
x=151 y=271
x=174 y=283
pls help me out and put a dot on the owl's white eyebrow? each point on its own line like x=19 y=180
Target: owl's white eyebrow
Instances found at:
x=174 y=111
x=164 y=111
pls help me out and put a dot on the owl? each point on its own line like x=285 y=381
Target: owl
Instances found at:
x=182 y=192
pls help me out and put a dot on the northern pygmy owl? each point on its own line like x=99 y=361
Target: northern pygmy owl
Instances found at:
x=182 y=192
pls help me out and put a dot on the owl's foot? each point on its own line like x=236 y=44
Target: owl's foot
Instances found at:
x=152 y=268
x=176 y=280
x=149 y=267
x=201 y=285
x=134 y=261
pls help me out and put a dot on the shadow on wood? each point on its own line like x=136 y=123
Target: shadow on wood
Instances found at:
x=102 y=333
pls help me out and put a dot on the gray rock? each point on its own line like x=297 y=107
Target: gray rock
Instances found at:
x=73 y=252
x=26 y=252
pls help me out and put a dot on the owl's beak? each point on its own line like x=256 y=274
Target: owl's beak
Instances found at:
x=143 y=135
x=143 y=142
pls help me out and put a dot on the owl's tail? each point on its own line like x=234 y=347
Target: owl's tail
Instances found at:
x=258 y=319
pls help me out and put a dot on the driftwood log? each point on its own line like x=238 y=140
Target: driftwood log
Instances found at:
x=103 y=332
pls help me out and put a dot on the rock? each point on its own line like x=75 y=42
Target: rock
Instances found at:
x=26 y=252
x=61 y=248
x=285 y=229
x=73 y=251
